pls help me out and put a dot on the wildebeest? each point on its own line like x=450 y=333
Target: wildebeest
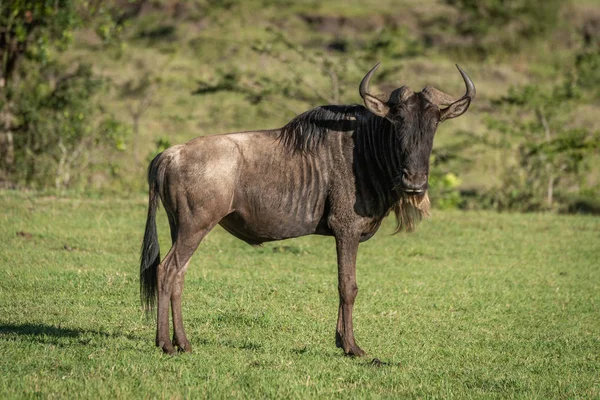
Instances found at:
x=335 y=170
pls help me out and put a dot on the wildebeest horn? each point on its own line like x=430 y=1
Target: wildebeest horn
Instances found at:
x=468 y=83
x=364 y=84
x=438 y=97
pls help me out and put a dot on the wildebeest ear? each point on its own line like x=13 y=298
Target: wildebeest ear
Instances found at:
x=455 y=109
x=375 y=105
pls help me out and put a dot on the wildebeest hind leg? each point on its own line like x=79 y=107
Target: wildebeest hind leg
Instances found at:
x=171 y=273
x=189 y=236
x=165 y=283
x=179 y=338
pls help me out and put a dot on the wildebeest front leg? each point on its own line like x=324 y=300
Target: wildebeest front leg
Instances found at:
x=347 y=248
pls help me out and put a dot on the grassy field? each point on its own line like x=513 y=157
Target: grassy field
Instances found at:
x=472 y=305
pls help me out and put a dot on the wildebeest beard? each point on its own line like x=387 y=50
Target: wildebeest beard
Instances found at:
x=410 y=209
x=378 y=156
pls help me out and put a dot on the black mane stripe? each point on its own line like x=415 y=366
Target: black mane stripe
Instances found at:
x=307 y=131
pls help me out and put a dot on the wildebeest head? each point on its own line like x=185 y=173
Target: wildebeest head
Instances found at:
x=415 y=117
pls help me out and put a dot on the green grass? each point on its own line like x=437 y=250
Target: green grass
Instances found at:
x=471 y=305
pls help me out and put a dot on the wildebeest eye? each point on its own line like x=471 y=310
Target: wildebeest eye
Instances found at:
x=396 y=115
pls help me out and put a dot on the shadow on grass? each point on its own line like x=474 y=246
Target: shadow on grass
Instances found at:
x=50 y=334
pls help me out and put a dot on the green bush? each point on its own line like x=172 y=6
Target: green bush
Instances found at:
x=587 y=67
x=544 y=158
x=59 y=128
x=52 y=128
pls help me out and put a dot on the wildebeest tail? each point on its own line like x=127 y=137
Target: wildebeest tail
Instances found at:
x=150 y=257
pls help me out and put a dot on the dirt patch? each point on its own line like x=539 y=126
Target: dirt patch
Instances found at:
x=25 y=235
x=177 y=9
x=340 y=24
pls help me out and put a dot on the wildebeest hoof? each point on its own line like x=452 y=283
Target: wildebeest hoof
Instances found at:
x=166 y=346
x=354 y=351
x=183 y=346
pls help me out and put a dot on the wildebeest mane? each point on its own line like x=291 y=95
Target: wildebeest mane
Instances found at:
x=307 y=131
x=376 y=137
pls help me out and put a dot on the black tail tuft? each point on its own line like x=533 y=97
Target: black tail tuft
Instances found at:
x=150 y=258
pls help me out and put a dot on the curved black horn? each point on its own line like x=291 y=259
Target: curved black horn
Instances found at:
x=468 y=83
x=438 y=97
x=364 y=84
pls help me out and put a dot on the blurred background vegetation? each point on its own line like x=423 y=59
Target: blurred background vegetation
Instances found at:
x=90 y=91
